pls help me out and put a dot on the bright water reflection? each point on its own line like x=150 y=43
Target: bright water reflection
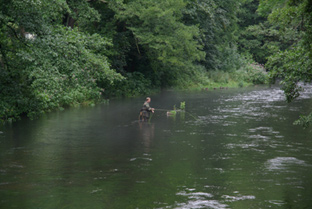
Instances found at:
x=231 y=149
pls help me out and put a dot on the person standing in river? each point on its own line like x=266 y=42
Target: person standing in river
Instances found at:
x=146 y=110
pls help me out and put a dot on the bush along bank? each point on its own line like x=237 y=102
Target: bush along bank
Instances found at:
x=250 y=74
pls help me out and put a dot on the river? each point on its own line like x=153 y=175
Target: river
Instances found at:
x=231 y=148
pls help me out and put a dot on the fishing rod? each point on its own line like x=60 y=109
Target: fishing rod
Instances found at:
x=173 y=112
x=191 y=115
x=161 y=110
x=140 y=114
x=179 y=110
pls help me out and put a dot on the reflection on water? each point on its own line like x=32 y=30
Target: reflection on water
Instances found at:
x=234 y=148
x=147 y=134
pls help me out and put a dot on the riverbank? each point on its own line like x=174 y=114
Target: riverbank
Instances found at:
x=134 y=85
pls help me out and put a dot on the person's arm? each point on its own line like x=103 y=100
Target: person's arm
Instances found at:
x=149 y=108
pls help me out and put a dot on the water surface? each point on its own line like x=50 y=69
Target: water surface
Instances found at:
x=234 y=148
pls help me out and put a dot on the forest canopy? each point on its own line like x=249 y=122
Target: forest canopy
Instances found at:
x=60 y=53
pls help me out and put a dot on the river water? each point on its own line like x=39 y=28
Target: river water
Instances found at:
x=234 y=148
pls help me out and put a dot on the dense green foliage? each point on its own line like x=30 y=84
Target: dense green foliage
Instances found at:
x=45 y=65
x=291 y=64
x=58 y=53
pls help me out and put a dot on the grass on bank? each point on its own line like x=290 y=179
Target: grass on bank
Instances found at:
x=251 y=74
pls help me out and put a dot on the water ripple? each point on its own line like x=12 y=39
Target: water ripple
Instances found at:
x=253 y=105
x=199 y=200
x=239 y=197
x=281 y=163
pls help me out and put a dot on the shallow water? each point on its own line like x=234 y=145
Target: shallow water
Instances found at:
x=234 y=148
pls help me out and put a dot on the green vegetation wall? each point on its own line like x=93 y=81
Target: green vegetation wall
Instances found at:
x=59 y=53
x=46 y=65
x=292 y=63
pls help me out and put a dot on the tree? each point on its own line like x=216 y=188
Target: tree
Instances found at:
x=45 y=65
x=159 y=35
x=217 y=21
x=293 y=64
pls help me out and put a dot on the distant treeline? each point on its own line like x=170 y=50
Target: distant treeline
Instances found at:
x=59 y=53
